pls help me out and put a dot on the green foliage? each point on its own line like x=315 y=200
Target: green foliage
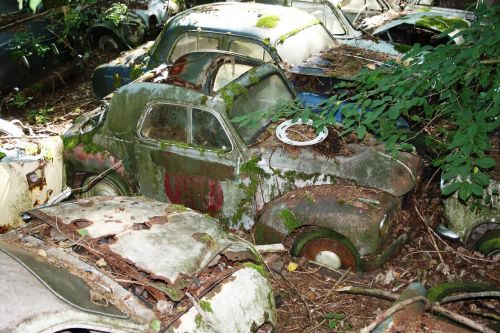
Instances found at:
x=26 y=44
x=335 y=321
x=40 y=116
x=116 y=13
x=155 y=325
x=449 y=94
x=18 y=100
x=229 y=92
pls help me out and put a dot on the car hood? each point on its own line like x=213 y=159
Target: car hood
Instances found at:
x=341 y=60
x=435 y=20
x=167 y=243
x=364 y=164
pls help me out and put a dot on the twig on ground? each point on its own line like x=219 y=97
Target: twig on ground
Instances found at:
x=369 y=292
x=460 y=319
x=311 y=329
x=393 y=309
x=306 y=305
x=461 y=297
x=335 y=285
x=485 y=315
x=431 y=236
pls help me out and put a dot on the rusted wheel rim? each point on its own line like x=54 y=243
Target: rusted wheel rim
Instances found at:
x=315 y=246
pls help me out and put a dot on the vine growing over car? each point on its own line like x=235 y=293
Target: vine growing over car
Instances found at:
x=450 y=95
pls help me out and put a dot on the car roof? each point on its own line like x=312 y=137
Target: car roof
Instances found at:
x=154 y=237
x=194 y=69
x=245 y=19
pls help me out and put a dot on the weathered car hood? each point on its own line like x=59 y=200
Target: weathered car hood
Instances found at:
x=366 y=165
x=342 y=60
x=439 y=21
x=168 y=243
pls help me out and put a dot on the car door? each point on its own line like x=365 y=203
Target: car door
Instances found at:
x=188 y=158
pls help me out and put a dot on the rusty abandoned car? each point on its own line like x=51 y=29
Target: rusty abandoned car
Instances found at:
x=130 y=265
x=268 y=33
x=139 y=20
x=265 y=32
x=181 y=145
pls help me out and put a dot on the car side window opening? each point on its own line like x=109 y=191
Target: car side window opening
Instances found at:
x=189 y=42
x=208 y=132
x=250 y=49
x=261 y=97
x=166 y=122
x=180 y=124
x=228 y=72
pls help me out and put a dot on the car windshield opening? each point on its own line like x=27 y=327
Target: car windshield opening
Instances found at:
x=261 y=97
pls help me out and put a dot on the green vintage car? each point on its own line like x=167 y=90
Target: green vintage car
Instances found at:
x=177 y=142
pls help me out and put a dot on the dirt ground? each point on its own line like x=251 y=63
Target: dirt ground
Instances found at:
x=306 y=297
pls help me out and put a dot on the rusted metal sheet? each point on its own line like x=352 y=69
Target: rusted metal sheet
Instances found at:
x=168 y=253
x=170 y=243
x=31 y=172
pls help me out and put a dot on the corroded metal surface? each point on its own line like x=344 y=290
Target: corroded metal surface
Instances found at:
x=169 y=242
x=30 y=174
x=178 y=261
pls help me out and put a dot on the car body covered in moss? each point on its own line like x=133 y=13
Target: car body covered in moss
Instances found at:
x=31 y=172
x=420 y=21
x=178 y=143
x=475 y=222
x=395 y=30
x=289 y=37
x=130 y=265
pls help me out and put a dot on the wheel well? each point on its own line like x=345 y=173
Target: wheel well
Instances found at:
x=114 y=178
x=97 y=32
x=480 y=230
x=300 y=236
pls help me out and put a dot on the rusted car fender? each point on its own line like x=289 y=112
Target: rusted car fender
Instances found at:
x=79 y=158
x=358 y=219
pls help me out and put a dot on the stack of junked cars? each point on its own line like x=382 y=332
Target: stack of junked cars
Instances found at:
x=173 y=130
x=141 y=264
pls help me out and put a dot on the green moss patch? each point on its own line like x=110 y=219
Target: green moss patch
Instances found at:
x=259 y=268
x=290 y=221
x=205 y=306
x=269 y=21
x=441 y=23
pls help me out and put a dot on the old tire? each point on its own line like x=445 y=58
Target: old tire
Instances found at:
x=489 y=243
x=105 y=187
x=109 y=42
x=326 y=247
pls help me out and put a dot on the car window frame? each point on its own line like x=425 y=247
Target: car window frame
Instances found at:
x=184 y=146
x=252 y=41
x=195 y=33
x=240 y=80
